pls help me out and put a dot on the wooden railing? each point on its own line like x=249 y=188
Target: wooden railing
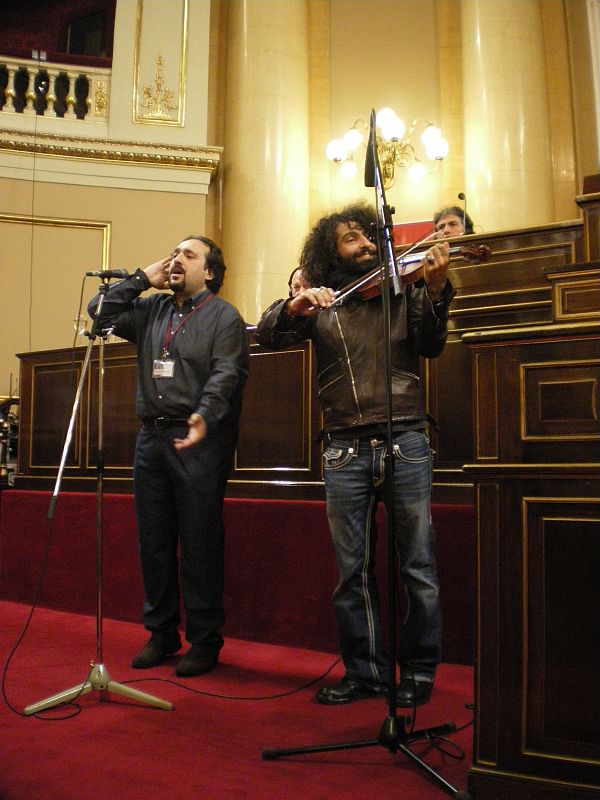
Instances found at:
x=278 y=453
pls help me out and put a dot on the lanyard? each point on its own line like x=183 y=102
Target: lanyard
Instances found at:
x=170 y=331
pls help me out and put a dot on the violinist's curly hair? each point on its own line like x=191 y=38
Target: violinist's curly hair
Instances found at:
x=319 y=255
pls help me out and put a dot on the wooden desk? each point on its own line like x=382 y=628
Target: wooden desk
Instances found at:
x=278 y=453
x=537 y=500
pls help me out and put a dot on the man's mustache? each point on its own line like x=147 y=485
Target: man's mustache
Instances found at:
x=364 y=252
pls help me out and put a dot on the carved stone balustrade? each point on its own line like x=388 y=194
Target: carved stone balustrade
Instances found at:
x=29 y=86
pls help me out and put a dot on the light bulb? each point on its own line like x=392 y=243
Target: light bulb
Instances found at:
x=440 y=150
x=352 y=139
x=348 y=169
x=430 y=135
x=385 y=116
x=416 y=172
x=336 y=150
x=394 y=129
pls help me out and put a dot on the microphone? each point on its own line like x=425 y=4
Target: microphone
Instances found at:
x=370 y=157
x=462 y=196
x=108 y=273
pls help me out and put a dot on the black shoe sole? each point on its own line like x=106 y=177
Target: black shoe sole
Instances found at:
x=420 y=700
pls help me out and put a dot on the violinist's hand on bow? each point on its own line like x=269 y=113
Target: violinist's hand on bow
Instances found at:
x=435 y=269
x=309 y=302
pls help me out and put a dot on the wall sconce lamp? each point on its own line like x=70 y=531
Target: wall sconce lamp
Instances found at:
x=394 y=147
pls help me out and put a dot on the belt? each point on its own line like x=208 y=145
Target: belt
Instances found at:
x=158 y=423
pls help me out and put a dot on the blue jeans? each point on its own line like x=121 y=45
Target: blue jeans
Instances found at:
x=354 y=475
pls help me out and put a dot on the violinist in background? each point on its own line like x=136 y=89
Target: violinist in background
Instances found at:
x=296 y=284
x=452 y=221
x=347 y=339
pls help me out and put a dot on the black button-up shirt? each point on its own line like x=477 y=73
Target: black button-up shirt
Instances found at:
x=209 y=351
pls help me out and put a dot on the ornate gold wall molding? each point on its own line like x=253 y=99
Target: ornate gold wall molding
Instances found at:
x=61 y=222
x=205 y=159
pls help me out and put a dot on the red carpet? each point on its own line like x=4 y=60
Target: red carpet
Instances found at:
x=210 y=745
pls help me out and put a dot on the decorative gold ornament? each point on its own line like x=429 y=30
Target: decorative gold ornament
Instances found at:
x=100 y=99
x=158 y=103
x=203 y=159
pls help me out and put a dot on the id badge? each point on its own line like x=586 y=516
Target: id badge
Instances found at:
x=163 y=368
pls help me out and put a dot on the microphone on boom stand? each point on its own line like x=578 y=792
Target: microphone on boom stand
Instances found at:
x=462 y=196
x=467 y=221
x=108 y=273
x=370 y=156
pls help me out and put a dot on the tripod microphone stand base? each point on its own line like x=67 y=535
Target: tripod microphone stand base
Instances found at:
x=97 y=681
x=391 y=736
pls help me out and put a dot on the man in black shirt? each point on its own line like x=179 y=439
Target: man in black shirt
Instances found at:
x=192 y=353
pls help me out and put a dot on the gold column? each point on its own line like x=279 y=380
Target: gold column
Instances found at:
x=561 y=112
x=319 y=70
x=265 y=160
x=451 y=121
x=507 y=154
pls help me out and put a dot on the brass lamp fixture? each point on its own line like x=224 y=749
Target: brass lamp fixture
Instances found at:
x=394 y=147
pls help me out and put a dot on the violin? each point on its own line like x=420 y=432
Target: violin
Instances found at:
x=406 y=269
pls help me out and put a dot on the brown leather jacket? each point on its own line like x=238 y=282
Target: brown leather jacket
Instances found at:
x=348 y=342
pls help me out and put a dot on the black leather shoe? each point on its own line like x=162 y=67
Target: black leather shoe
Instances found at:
x=413 y=693
x=198 y=660
x=349 y=691
x=156 y=650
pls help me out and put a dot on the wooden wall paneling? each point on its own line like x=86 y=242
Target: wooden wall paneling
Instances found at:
x=510 y=290
x=485 y=414
x=448 y=397
x=538 y=522
x=120 y=424
x=278 y=449
x=279 y=454
x=590 y=206
x=48 y=386
x=538 y=635
x=489 y=644
x=562 y=642
x=576 y=292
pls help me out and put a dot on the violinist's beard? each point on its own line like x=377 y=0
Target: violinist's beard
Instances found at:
x=348 y=270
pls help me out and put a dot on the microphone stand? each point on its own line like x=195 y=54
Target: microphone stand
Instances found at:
x=98 y=679
x=393 y=734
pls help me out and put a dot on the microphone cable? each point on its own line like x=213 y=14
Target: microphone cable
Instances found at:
x=38 y=87
x=42 y=575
